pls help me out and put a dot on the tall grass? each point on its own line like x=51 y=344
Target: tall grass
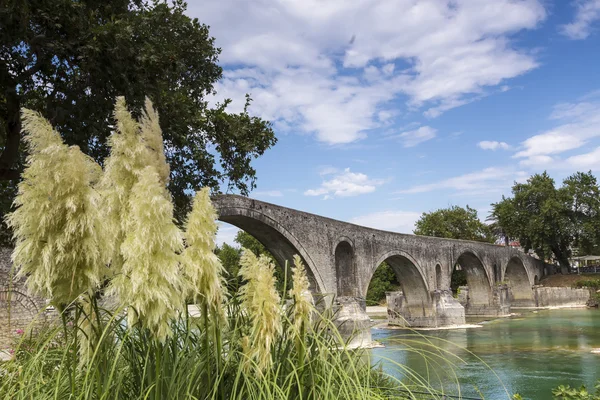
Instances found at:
x=129 y=363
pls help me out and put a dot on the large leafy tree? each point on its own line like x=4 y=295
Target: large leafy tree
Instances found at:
x=552 y=221
x=70 y=59
x=454 y=223
x=583 y=197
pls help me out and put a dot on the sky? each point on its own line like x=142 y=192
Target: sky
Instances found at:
x=385 y=109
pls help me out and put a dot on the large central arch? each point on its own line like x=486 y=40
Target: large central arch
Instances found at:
x=416 y=307
x=515 y=274
x=478 y=281
x=280 y=242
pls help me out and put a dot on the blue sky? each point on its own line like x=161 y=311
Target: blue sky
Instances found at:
x=385 y=109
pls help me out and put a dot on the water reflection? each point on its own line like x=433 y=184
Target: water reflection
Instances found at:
x=529 y=354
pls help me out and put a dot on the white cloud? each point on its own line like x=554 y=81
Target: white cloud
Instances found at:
x=490 y=180
x=586 y=14
x=345 y=184
x=579 y=122
x=268 y=193
x=305 y=73
x=493 y=145
x=414 y=137
x=397 y=221
x=226 y=234
x=586 y=161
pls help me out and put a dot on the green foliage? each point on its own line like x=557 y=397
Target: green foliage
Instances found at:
x=70 y=60
x=384 y=280
x=454 y=223
x=229 y=257
x=588 y=283
x=583 y=197
x=566 y=392
x=549 y=220
x=458 y=278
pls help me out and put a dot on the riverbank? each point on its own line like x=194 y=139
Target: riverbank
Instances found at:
x=568 y=280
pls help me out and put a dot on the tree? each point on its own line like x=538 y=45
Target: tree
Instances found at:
x=583 y=196
x=383 y=280
x=454 y=223
x=552 y=221
x=230 y=259
x=69 y=60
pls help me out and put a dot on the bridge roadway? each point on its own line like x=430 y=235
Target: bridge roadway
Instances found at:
x=341 y=258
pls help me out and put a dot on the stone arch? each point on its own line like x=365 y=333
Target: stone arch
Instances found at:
x=345 y=268
x=412 y=280
x=25 y=302
x=438 y=277
x=515 y=274
x=278 y=240
x=478 y=279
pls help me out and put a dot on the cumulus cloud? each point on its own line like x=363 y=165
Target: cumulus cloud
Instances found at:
x=587 y=13
x=578 y=123
x=345 y=184
x=585 y=161
x=303 y=71
x=397 y=221
x=493 y=145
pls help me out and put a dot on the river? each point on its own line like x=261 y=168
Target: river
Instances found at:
x=528 y=354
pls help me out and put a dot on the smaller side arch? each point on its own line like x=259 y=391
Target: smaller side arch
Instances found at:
x=519 y=283
x=478 y=279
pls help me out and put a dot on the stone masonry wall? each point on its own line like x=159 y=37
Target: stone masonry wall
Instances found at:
x=560 y=296
x=17 y=308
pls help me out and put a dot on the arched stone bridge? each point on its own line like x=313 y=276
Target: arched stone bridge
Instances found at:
x=342 y=257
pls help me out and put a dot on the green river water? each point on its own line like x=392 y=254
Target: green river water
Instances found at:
x=529 y=354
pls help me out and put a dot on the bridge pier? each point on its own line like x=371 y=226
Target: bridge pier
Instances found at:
x=352 y=320
x=444 y=310
x=499 y=305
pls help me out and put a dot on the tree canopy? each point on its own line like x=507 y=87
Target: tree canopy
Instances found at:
x=454 y=223
x=69 y=60
x=552 y=221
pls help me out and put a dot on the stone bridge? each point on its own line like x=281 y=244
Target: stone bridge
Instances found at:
x=342 y=257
